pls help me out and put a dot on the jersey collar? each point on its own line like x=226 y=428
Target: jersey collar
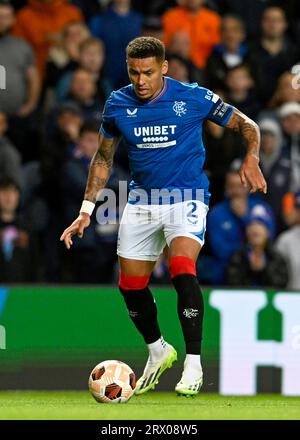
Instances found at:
x=161 y=93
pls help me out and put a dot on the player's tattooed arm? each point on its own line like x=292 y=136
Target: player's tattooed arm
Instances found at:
x=250 y=173
x=100 y=168
x=249 y=130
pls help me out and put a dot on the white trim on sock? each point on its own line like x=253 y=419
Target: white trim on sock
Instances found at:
x=156 y=349
x=192 y=368
x=193 y=360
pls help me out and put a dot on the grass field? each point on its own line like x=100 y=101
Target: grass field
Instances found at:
x=58 y=405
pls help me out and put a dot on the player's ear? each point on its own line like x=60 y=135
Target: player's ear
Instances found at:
x=164 y=67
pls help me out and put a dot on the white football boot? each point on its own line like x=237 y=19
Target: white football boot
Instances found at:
x=192 y=377
x=189 y=389
x=154 y=370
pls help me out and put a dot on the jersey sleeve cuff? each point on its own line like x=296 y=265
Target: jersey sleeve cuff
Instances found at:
x=227 y=116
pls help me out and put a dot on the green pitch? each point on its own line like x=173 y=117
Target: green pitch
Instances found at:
x=151 y=406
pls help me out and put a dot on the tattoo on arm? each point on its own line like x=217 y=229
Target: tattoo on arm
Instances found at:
x=239 y=122
x=100 y=168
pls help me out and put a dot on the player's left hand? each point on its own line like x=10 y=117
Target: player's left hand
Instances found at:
x=251 y=175
x=76 y=228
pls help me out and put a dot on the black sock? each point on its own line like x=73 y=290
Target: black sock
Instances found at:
x=143 y=313
x=190 y=309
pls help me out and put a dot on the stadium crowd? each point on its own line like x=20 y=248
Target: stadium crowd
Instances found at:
x=61 y=61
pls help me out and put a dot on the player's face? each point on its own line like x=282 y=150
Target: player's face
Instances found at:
x=146 y=75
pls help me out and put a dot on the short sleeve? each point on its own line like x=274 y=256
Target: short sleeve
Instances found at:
x=108 y=127
x=29 y=58
x=213 y=107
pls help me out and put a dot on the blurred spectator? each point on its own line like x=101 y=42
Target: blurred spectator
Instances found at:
x=229 y=53
x=64 y=56
x=222 y=148
x=288 y=244
x=18 y=258
x=152 y=27
x=273 y=54
x=227 y=220
x=57 y=149
x=92 y=257
x=33 y=203
x=21 y=94
x=178 y=68
x=250 y=11
x=284 y=92
x=241 y=91
x=41 y=22
x=290 y=206
x=118 y=25
x=83 y=91
x=76 y=168
x=257 y=263
x=20 y=97
x=290 y=120
x=91 y=58
x=180 y=44
x=10 y=159
x=201 y=24
x=275 y=167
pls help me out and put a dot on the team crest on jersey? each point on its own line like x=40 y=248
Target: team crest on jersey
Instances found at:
x=179 y=108
x=132 y=113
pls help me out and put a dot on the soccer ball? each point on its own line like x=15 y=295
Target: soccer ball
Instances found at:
x=112 y=382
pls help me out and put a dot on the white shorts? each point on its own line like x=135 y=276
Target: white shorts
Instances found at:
x=146 y=229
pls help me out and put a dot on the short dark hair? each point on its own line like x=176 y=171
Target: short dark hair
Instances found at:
x=6 y=3
x=243 y=66
x=144 y=47
x=89 y=127
x=275 y=6
x=236 y=18
x=8 y=182
x=68 y=107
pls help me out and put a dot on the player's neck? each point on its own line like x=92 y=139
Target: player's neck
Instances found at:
x=158 y=91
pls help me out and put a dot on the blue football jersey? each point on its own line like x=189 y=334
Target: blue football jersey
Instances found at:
x=164 y=135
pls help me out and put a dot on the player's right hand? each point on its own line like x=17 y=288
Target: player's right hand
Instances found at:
x=76 y=228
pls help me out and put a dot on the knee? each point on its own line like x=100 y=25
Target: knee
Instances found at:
x=180 y=265
x=128 y=282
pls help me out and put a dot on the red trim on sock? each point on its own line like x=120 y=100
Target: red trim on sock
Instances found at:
x=128 y=282
x=180 y=265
